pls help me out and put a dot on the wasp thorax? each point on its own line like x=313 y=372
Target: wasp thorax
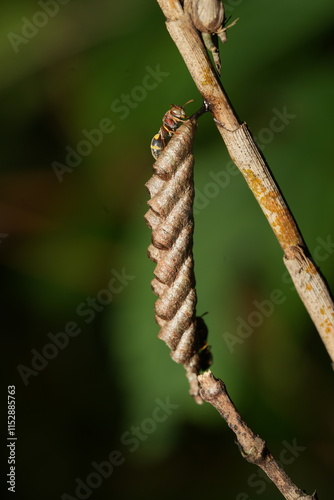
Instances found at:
x=173 y=118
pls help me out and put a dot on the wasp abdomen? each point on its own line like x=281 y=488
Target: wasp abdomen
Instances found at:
x=159 y=142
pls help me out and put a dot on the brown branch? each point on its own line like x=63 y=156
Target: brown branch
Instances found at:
x=252 y=447
x=246 y=155
x=171 y=219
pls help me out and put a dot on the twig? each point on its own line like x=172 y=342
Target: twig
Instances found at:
x=249 y=160
x=252 y=447
x=246 y=155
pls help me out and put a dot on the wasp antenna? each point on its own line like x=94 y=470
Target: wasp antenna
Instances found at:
x=191 y=100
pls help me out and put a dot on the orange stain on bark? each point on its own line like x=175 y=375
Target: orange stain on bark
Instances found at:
x=272 y=203
x=311 y=269
x=207 y=78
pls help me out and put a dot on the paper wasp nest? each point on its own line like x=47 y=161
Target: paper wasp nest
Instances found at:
x=171 y=219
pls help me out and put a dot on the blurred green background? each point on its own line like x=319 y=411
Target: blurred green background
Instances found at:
x=68 y=229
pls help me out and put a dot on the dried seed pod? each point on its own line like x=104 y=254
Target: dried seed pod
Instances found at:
x=171 y=219
x=208 y=17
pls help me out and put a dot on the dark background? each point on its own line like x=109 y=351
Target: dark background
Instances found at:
x=63 y=238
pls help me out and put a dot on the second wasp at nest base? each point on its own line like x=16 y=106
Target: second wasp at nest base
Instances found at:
x=170 y=122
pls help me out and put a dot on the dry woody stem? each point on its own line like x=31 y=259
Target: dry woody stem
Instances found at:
x=243 y=150
x=176 y=317
x=252 y=447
